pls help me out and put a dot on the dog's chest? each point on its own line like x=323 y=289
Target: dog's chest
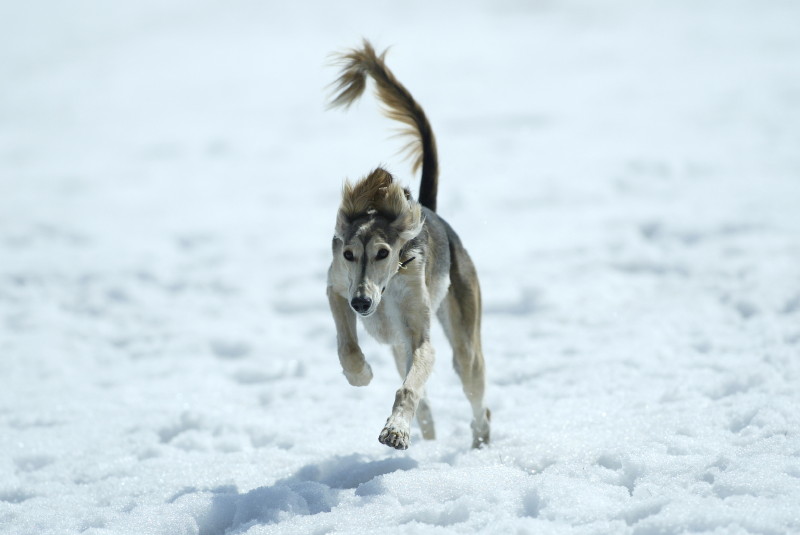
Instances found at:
x=388 y=324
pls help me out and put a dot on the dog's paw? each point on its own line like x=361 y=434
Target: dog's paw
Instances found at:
x=395 y=436
x=362 y=378
x=481 y=430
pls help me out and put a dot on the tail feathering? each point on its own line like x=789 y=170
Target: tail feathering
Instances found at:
x=398 y=104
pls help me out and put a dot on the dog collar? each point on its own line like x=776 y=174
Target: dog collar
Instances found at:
x=405 y=263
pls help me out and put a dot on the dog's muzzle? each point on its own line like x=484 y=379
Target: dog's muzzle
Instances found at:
x=362 y=305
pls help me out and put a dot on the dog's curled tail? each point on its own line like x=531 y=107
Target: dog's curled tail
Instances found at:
x=398 y=105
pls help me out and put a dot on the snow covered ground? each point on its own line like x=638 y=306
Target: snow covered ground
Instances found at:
x=626 y=176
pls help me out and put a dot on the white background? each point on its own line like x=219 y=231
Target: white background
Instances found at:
x=626 y=176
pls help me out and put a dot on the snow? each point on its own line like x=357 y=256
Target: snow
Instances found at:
x=624 y=174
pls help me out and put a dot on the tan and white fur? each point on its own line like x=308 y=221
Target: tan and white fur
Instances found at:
x=396 y=264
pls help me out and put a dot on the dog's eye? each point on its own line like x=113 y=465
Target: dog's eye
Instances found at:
x=348 y=255
x=382 y=253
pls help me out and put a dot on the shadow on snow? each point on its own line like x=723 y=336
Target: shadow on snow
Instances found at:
x=313 y=489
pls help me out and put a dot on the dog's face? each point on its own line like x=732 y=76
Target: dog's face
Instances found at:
x=368 y=257
x=376 y=219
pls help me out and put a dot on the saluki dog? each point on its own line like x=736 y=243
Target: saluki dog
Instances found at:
x=396 y=263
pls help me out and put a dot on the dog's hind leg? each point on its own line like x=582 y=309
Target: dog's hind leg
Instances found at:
x=424 y=414
x=460 y=315
x=425 y=418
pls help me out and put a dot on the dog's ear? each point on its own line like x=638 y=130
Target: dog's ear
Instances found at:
x=359 y=199
x=369 y=193
x=408 y=222
x=379 y=193
x=341 y=225
x=395 y=203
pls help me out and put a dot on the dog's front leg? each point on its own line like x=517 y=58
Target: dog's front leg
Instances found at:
x=355 y=367
x=398 y=427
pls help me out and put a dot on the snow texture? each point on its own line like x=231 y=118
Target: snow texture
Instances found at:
x=625 y=174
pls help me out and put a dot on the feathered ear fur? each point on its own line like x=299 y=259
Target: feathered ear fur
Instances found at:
x=378 y=193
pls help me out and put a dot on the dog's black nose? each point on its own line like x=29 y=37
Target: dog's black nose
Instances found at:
x=361 y=304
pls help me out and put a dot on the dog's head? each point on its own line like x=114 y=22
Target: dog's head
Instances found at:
x=376 y=219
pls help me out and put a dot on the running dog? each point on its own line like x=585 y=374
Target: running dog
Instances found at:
x=396 y=263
